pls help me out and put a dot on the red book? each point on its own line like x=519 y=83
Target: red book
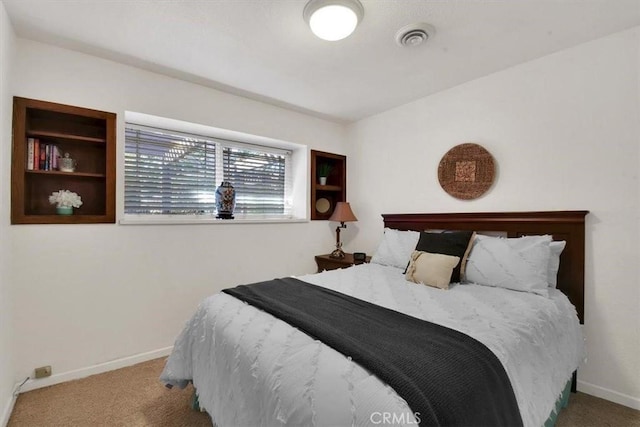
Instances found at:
x=43 y=156
x=36 y=154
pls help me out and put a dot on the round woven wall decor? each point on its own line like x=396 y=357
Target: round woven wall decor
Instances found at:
x=467 y=171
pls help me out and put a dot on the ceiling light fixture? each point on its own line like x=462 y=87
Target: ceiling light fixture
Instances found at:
x=333 y=19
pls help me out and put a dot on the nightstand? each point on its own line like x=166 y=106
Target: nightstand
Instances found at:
x=325 y=262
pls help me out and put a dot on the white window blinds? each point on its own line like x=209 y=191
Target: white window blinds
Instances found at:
x=260 y=179
x=173 y=173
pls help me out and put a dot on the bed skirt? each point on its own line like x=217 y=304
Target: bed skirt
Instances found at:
x=562 y=402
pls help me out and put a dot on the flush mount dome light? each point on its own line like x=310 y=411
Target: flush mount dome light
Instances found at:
x=333 y=19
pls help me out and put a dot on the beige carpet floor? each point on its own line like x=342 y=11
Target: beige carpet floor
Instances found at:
x=134 y=396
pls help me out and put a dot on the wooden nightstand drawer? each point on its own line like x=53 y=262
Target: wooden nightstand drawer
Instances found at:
x=325 y=262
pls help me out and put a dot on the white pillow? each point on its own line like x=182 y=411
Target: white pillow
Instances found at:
x=554 y=262
x=395 y=248
x=521 y=264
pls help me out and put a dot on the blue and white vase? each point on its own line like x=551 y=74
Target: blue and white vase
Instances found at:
x=225 y=200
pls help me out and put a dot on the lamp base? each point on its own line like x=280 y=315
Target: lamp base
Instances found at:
x=338 y=253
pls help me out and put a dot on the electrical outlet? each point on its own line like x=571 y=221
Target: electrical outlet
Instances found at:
x=43 y=371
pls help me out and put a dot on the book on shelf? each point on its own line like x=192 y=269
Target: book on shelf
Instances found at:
x=41 y=156
x=47 y=157
x=30 y=147
x=55 y=154
x=36 y=154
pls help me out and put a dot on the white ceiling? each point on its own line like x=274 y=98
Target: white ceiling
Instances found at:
x=263 y=49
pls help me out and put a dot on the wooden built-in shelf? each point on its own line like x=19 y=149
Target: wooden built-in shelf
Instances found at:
x=325 y=197
x=328 y=188
x=69 y=174
x=59 y=135
x=89 y=136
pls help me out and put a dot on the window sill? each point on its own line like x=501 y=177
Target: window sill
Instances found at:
x=193 y=219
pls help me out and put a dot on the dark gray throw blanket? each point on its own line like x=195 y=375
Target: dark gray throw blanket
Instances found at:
x=447 y=377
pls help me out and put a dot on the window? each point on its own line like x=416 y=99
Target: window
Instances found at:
x=173 y=173
x=260 y=179
x=167 y=173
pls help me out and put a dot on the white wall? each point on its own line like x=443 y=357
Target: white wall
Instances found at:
x=564 y=132
x=563 y=129
x=89 y=294
x=7 y=41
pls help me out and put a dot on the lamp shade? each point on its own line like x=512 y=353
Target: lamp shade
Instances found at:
x=343 y=213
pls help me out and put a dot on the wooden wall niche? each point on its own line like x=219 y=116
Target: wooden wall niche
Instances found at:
x=89 y=136
x=325 y=197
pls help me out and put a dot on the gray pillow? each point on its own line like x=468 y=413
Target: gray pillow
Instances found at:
x=395 y=248
x=521 y=264
x=554 y=262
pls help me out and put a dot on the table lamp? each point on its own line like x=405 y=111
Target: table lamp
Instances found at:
x=341 y=214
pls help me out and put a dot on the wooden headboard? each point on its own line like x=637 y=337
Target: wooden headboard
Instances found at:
x=562 y=225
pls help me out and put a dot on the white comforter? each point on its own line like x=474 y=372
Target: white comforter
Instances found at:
x=251 y=369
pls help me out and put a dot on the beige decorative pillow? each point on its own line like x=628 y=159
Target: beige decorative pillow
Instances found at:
x=431 y=269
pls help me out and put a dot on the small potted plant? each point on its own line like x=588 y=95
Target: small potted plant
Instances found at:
x=65 y=201
x=324 y=169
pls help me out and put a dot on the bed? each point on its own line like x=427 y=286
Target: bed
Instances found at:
x=251 y=368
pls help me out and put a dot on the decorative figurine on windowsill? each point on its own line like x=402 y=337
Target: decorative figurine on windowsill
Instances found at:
x=225 y=200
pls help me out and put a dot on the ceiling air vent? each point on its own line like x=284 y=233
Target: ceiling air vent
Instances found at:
x=414 y=34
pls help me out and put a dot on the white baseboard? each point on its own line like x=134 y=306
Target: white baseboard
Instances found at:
x=33 y=384
x=8 y=408
x=610 y=395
